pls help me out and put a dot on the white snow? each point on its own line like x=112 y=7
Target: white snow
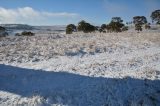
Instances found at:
x=81 y=70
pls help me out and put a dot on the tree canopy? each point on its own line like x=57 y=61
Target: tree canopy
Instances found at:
x=115 y=25
x=70 y=28
x=155 y=16
x=139 y=20
x=85 y=27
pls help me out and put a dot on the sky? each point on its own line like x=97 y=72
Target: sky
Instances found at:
x=62 y=12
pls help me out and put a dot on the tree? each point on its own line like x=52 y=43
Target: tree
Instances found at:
x=103 y=26
x=138 y=27
x=85 y=27
x=109 y=28
x=155 y=16
x=139 y=21
x=70 y=28
x=117 y=19
x=81 y=25
x=115 y=25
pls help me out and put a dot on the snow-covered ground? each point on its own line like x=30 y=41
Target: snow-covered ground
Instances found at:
x=81 y=70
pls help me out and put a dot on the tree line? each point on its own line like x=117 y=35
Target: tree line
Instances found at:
x=116 y=24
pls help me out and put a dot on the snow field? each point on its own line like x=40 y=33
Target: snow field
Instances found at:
x=81 y=70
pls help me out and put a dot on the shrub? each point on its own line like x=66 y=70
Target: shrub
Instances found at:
x=115 y=25
x=70 y=28
x=100 y=30
x=124 y=28
x=104 y=31
x=85 y=27
x=25 y=33
x=17 y=34
x=147 y=26
x=138 y=27
x=81 y=25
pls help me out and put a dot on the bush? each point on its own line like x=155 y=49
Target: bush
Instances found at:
x=17 y=34
x=147 y=26
x=86 y=27
x=138 y=27
x=104 y=31
x=25 y=33
x=100 y=30
x=124 y=28
x=70 y=28
x=115 y=25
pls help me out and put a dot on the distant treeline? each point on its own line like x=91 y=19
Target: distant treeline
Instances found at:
x=116 y=24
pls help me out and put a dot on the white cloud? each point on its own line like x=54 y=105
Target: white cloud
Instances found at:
x=29 y=15
x=63 y=14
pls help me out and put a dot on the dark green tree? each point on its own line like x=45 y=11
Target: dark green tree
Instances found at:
x=139 y=21
x=70 y=28
x=117 y=19
x=85 y=27
x=81 y=25
x=138 y=27
x=155 y=16
x=115 y=25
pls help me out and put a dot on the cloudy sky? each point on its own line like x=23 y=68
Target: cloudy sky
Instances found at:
x=62 y=12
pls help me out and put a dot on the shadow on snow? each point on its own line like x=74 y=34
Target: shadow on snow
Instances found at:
x=78 y=89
